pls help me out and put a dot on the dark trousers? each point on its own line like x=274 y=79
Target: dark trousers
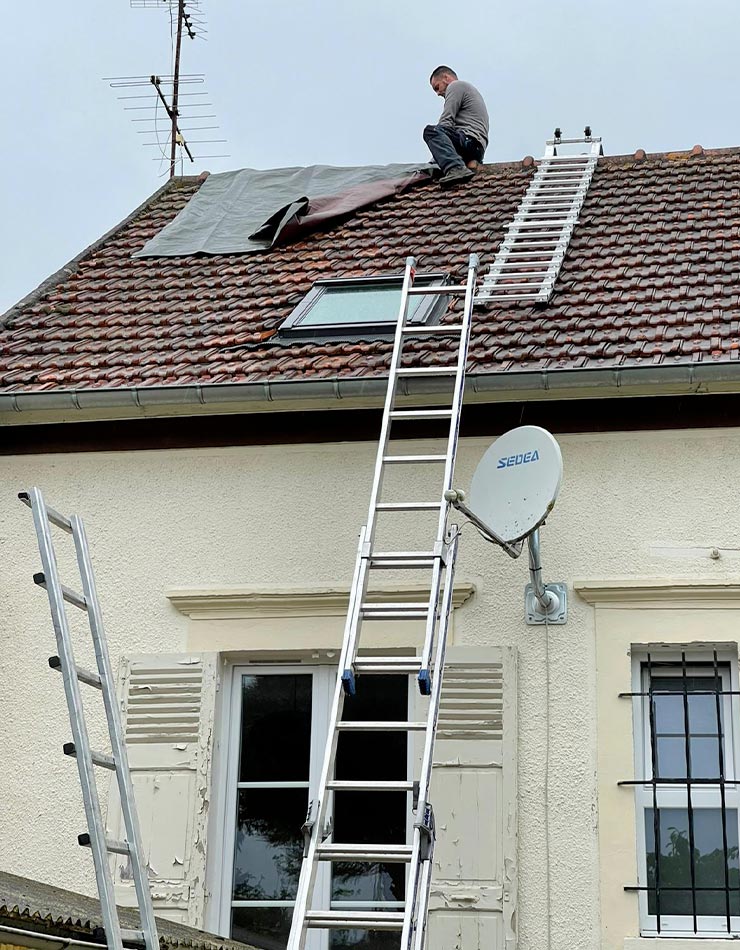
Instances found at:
x=452 y=148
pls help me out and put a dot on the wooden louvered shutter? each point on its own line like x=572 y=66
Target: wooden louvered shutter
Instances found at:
x=168 y=708
x=473 y=902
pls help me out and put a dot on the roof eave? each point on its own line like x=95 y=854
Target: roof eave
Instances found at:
x=286 y=395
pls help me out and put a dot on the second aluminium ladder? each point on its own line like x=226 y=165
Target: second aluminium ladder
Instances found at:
x=87 y=760
x=439 y=559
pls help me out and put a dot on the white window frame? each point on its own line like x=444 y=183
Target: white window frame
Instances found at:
x=324 y=679
x=676 y=796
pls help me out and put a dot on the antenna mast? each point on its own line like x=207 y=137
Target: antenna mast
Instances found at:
x=176 y=86
x=186 y=17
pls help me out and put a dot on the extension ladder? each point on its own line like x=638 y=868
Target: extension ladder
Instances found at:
x=439 y=559
x=533 y=249
x=95 y=837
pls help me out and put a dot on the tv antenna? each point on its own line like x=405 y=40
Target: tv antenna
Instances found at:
x=513 y=490
x=165 y=93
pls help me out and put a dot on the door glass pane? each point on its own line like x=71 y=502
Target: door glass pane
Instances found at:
x=264 y=927
x=371 y=817
x=276 y=728
x=710 y=861
x=365 y=939
x=269 y=844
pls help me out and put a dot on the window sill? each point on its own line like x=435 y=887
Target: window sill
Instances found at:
x=678 y=943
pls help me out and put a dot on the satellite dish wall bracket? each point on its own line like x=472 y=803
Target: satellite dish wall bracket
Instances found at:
x=543 y=603
x=513 y=490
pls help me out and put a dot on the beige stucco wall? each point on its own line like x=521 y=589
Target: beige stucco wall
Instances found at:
x=645 y=505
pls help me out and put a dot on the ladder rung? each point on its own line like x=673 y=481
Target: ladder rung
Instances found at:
x=427 y=371
x=491 y=278
x=439 y=328
x=398 y=853
x=379 y=556
x=407 y=668
x=524 y=234
x=71 y=596
x=439 y=290
x=520 y=257
x=485 y=297
x=413 y=611
x=54 y=517
x=336 y=785
x=495 y=267
x=84 y=676
x=360 y=920
x=400 y=459
x=111 y=844
x=408 y=506
x=526 y=286
x=420 y=414
x=98 y=758
x=416 y=564
x=381 y=725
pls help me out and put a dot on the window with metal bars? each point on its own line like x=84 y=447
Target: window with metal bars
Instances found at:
x=687 y=795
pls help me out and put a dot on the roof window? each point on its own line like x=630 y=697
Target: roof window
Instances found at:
x=344 y=306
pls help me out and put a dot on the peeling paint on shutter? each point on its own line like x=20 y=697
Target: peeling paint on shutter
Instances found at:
x=473 y=900
x=168 y=706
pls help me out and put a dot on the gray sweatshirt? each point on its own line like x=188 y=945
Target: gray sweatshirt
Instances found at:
x=465 y=110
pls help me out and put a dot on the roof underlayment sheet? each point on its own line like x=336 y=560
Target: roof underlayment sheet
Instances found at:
x=244 y=211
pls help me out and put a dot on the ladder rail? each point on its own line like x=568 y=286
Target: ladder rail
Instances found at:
x=425 y=775
x=115 y=732
x=452 y=443
x=309 y=865
x=90 y=798
x=390 y=397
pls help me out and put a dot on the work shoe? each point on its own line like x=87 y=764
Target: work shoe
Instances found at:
x=456 y=176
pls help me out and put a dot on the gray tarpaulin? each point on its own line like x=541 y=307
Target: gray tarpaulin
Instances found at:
x=243 y=211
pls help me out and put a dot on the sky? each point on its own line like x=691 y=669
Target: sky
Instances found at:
x=336 y=82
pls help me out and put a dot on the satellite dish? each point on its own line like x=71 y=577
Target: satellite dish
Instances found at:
x=517 y=481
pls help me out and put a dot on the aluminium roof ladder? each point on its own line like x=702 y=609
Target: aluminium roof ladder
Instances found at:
x=87 y=760
x=438 y=558
x=533 y=249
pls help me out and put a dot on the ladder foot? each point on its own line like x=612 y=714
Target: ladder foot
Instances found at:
x=425 y=682
x=348 y=682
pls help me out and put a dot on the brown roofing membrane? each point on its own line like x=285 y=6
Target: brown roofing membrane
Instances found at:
x=651 y=277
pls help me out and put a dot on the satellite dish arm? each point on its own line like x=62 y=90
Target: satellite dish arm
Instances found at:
x=547 y=599
x=455 y=498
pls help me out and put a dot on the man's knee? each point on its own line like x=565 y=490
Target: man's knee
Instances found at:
x=430 y=131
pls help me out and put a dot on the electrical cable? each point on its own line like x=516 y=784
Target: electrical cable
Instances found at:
x=547 y=783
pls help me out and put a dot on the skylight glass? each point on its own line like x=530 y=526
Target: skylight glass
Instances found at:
x=360 y=305
x=346 y=306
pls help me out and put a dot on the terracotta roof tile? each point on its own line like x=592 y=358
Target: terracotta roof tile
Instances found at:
x=651 y=275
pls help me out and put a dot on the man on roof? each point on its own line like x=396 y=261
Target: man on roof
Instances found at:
x=457 y=142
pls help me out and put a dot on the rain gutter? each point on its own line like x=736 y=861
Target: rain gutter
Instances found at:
x=39 y=941
x=480 y=387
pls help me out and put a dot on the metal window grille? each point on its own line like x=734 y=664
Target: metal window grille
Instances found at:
x=688 y=797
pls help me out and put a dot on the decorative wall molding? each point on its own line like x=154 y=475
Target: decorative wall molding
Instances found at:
x=663 y=593
x=260 y=602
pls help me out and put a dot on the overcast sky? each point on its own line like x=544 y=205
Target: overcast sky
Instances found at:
x=338 y=82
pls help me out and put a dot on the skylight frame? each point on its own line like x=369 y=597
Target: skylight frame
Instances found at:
x=428 y=310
